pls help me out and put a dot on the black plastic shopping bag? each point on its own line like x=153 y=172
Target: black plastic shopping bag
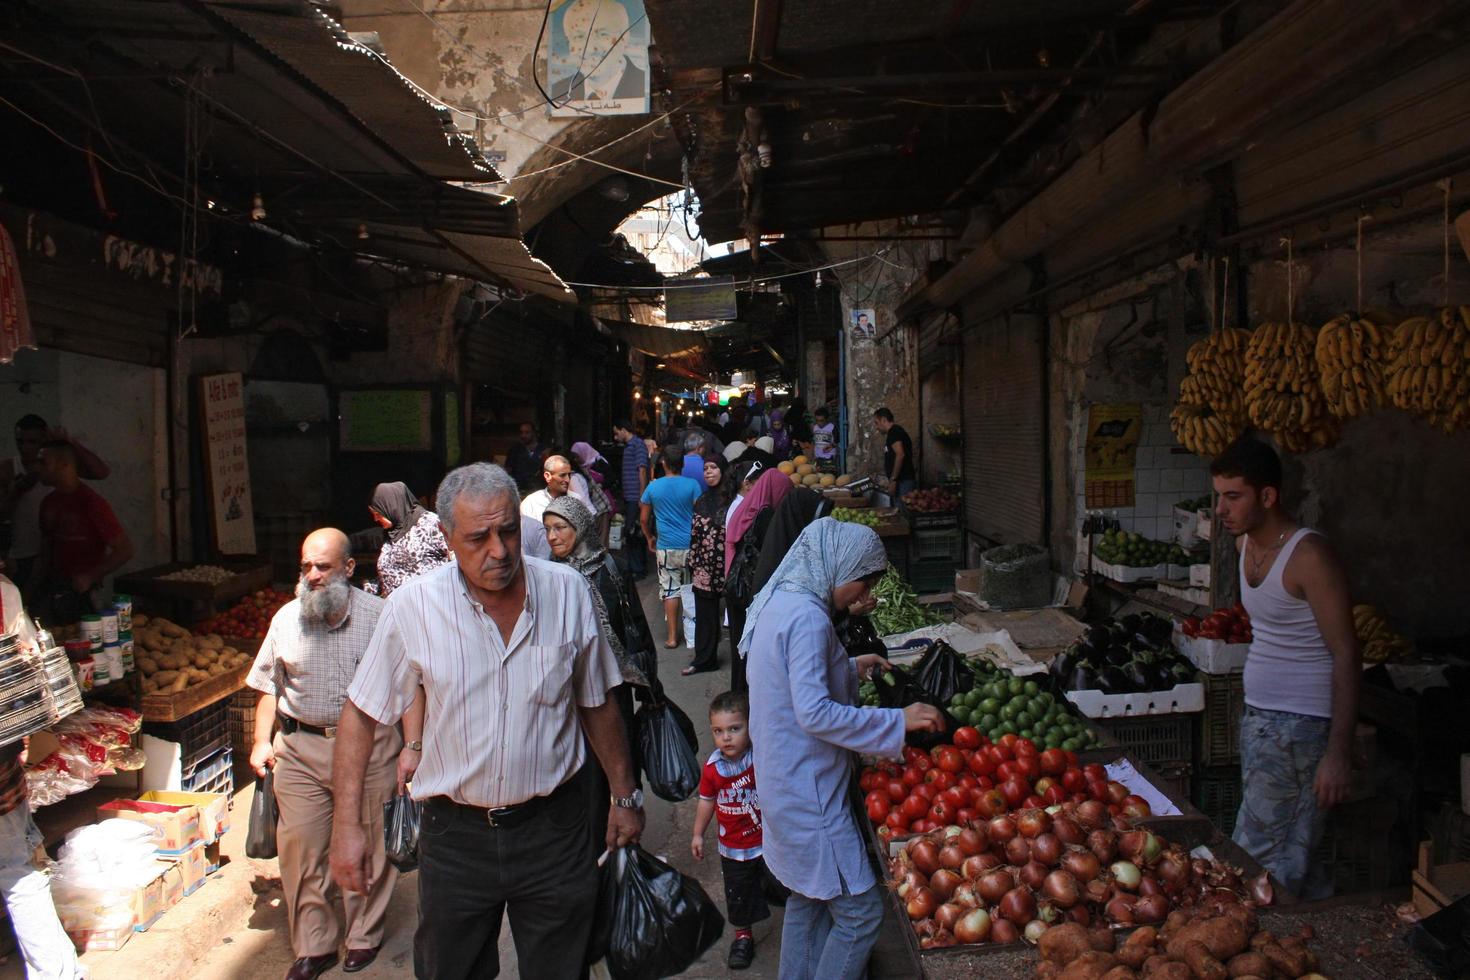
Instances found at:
x=657 y=922
x=667 y=743
x=260 y=837
x=401 y=832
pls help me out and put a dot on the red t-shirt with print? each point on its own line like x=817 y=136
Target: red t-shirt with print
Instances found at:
x=731 y=785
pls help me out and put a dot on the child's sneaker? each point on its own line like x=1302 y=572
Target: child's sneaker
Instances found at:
x=742 y=953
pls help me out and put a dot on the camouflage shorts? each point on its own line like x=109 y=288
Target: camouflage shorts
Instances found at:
x=1279 y=822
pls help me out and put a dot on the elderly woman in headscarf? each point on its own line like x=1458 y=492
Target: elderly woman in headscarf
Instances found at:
x=780 y=436
x=414 y=542
x=771 y=486
x=572 y=534
x=707 y=562
x=805 y=726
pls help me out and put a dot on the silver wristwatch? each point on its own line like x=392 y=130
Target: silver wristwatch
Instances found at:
x=414 y=746
x=634 y=802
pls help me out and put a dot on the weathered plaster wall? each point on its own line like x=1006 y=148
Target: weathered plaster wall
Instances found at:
x=940 y=460
x=1124 y=344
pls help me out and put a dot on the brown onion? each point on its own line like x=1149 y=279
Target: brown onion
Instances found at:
x=1033 y=823
x=925 y=854
x=1103 y=843
x=1002 y=930
x=1140 y=847
x=1068 y=831
x=1079 y=914
x=1047 y=849
x=1173 y=870
x=940 y=939
x=1126 y=875
x=1120 y=909
x=910 y=881
x=944 y=882
x=970 y=841
x=1000 y=830
x=1034 y=929
x=951 y=857
x=1061 y=889
x=966 y=896
x=973 y=927
x=1092 y=815
x=1150 y=909
x=1032 y=874
x=993 y=886
x=1083 y=865
x=922 y=903
x=947 y=915
x=1149 y=885
x=977 y=865
x=1018 y=850
x=1099 y=889
x=1018 y=906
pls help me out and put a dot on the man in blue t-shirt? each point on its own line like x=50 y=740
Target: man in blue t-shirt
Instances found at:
x=666 y=513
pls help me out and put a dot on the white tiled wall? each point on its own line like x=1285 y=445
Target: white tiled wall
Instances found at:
x=1161 y=479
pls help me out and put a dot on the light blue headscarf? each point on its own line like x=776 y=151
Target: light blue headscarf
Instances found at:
x=829 y=553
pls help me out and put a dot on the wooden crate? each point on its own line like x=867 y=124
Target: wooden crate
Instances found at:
x=1438 y=885
x=171 y=707
x=250 y=574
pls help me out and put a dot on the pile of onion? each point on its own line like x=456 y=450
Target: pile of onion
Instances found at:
x=1015 y=876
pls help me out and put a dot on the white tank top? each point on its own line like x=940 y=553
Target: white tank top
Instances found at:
x=1289 y=667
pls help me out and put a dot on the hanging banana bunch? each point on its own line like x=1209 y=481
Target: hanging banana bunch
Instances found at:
x=1351 y=355
x=1283 y=391
x=1429 y=368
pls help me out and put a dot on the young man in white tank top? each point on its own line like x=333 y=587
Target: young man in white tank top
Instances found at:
x=1302 y=674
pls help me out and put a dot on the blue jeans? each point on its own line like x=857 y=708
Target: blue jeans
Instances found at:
x=831 y=939
x=1279 y=823
x=44 y=945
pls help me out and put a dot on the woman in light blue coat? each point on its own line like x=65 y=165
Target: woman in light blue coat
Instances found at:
x=805 y=727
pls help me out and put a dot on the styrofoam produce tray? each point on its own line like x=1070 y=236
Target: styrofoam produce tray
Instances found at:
x=1127 y=574
x=1211 y=656
x=967 y=643
x=1180 y=699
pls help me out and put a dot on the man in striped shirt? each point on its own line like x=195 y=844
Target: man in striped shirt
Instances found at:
x=516 y=671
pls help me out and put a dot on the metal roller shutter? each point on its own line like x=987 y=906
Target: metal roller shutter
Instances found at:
x=509 y=353
x=1004 y=426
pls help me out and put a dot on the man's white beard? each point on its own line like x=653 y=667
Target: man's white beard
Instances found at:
x=327 y=604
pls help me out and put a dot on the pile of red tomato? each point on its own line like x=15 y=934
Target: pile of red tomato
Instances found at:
x=250 y=617
x=975 y=779
x=1232 y=624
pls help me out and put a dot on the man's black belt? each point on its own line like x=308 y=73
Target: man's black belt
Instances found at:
x=510 y=816
x=291 y=726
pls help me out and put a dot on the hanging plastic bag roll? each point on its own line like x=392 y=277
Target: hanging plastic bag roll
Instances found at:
x=656 y=921
x=667 y=742
x=401 y=832
x=260 y=836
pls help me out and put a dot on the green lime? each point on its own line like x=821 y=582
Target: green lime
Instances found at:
x=1070 y=744
x=987 y=721
x=1024 y=719
x=1032 y=688
x=1009 y=711
x=1054 y=739
x=1027 y=734
x=990 y=705
x=1047 y=698
x=1015 y=686
x=1008 y=727
x=961 y=715
x=974 y=698
x=994 y=733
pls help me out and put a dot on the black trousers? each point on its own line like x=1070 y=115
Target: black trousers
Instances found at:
x=543 y=872
x=706 y=630
x=737 y=662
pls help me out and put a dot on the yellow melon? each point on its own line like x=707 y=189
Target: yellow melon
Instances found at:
x=805 y=469
x=800 y=459
x=844 y=479
x=828 y=480
x=811 y=480
x=795 y=480
x=787 y=468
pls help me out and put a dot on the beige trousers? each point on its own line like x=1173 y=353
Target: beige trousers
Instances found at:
x=304 y=838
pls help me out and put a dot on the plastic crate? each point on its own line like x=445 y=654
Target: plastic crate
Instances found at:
x=897 y=550
x=926 y=520
x=936 y=545
x=221 y=782
x=1358 y=847
x=1219 y=739
x=932 y=576
x=1174 y=782
x=198 y=735
x=1160 y=741
x=1217 y=795
x=206 y=771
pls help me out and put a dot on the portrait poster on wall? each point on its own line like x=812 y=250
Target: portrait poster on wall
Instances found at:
x=597 y=58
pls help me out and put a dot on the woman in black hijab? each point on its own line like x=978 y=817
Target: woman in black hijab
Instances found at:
x=415 y=544
x=792 y=515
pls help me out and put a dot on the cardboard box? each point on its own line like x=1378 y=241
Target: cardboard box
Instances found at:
x=88 y=938
x=214 y=809
x=173 y=882
x=195 y=866
x=150 y=902
x=967 y=580
x=177 y=826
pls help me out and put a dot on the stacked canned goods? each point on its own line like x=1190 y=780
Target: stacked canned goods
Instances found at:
x=123 y=605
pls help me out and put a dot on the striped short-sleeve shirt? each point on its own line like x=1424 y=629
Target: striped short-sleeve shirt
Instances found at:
x=308 y=665
x=501 y=725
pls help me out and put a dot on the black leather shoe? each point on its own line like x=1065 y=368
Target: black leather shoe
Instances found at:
x=311 y=967
x=357 y=959
x=742 y=953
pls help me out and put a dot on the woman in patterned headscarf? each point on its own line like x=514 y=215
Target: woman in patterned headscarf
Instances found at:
x=571 y=531
x=805 y=726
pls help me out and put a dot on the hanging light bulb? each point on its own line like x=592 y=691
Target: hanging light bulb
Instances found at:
x=637 y=394
x=257 y=207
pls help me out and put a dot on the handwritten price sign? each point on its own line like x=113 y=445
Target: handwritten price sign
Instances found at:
x=227 y=472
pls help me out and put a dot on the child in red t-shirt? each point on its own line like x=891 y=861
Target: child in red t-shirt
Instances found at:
x=727 y=791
